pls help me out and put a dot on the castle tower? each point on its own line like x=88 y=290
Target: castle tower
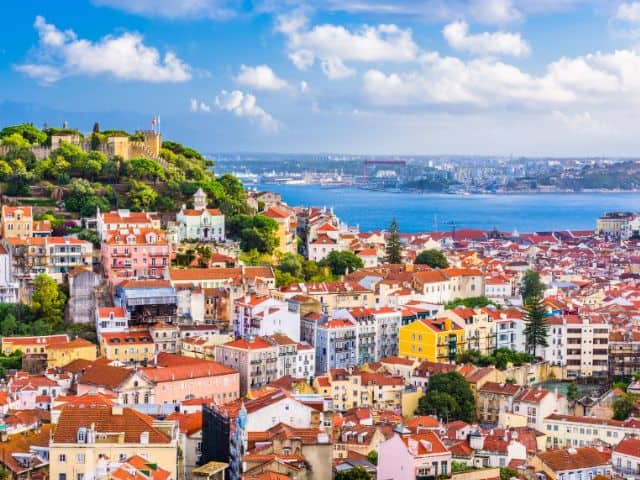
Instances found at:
x=199 y=200
x=153 y=142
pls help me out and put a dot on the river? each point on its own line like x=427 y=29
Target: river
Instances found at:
x=416 y=212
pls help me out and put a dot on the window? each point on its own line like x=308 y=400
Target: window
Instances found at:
x=80 y=458
x=62 y=476
x=62 y=458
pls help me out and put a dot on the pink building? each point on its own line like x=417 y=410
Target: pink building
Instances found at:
x=418 y=455
x=140 y=253
x=177 y=378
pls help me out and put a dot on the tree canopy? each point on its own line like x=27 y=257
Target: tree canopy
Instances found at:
x=536 y=328
x=470 y=302
x=356 y=473
x=622 y=408
x=432 y=257
x=48 y=300
x=342 y=261
x=531 y=286
x=393 y=247
x=449 y=397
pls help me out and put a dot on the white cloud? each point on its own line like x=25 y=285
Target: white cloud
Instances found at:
x=494 y=12
x=124 y=57
x=193 y=105
x=629 y=12
x=335 y=44
x=335 y=69
x=498 y=43
x=196 y=106
x=244 y=105
x=217 y=9
x=581 y=122
x=260 y=77
x=205 y=107
x=599 y=78
x=304 y=87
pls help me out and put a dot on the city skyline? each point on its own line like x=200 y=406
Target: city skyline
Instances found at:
x=407 y=77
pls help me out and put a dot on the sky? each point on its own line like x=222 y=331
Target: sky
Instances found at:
x=406 y=77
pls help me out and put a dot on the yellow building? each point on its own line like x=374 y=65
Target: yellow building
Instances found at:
x=360 y=389
x=17 y=222
x=437 y=340
x=286 y=229
x=32 y=345
x=131 y=346
x=65 y=353
x=90 y=439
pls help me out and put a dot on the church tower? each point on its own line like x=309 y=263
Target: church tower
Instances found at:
x=199 y=200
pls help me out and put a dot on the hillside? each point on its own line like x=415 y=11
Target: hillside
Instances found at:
x=82 y=172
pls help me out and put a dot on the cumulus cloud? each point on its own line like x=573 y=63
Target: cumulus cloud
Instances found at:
x=599 y=78
x=581 y=122
x=125 y=57
x=335 y=44
x=244 y=105
x=628 y=12
x=260 y=77
x=496 y=43
x=495 y=12
x=216 y=9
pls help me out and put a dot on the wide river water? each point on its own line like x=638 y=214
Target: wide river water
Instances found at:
x=415 y=212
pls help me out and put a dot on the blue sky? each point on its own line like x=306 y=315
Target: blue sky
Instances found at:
x=521 y=77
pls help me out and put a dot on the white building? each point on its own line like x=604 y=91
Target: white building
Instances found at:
x=510 y=331
x=8 y=288
x=261 y=315
x=111 y=319
x=200 y=223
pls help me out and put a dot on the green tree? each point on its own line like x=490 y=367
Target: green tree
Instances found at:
x=204 y=255
x=141 y=196
x=27 y=131
x=356 y=473
x=531 y=286
x=95 y=137
x=622 y=408
x=449 y=397
x=341 y=262
x=572 y=391
x=15 y=140
x=393 y=247
x=470 y=302
x=507 y=473
x=48 y=301
x=9 y=325
x=372 y=456
x=291 y=263
x=536 y=328
x=432 y=257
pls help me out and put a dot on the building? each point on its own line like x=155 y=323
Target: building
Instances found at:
x=130 y=346
x=111 y=319
x=359 y=389
x=495 y=398
x=135 y=253
x=418 y=455
x=109 y=222
x=435 y=340
x=617 y=225
x=147 y=301
x=286 y=233
x=17 y=222
x=479 y=327
x=9 y=290
x=60 y=355
x=624 y=353
x=537 y=404
x=261 y=315
x=377 y=331
x=510 y=331
x=88 y=437
x=295 y=360
x=625 y=459
x=83 y=284
x=200 y=223
x=573 y=463
x=336 y=345
x=564 y=431
x=32 y=345
x=579 y=344
x=254 y=358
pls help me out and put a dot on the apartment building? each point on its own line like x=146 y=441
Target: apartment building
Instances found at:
x=110 y=222
x=573 y=463
x=350 y=388
x=88 y=437
x=9 y=289
x=510 y=331
x=624 y=353
x=435 y=340
x=260 y=315
x=580 y=344
x=296 y=360
x=479 y=327
x=537 y=404
x=54 y=256
x=495 y=398
x=625 y=459
x=564 y=431
x=17 y=222
x=287 y=224
x=135 y=253
x=336 y=345
x=377 y=331
x=130 y=346
x=254 y=358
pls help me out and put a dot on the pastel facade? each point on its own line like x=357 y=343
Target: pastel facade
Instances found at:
x=135 y=254
x=433 y=340
x=17 y=222
x=200 y=223
x=77 y=349
x=111 y=222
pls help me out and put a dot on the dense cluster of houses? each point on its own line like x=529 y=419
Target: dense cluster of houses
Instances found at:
x=212 y=370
